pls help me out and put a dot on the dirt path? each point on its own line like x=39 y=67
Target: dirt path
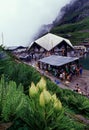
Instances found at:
x=83 y=82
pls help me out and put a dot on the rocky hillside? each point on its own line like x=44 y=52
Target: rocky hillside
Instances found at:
x=74 y=12
x=74 y=23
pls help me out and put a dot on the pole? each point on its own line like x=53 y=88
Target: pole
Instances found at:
x=2 y=38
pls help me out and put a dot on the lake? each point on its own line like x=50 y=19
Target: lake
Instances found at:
x=85 y=61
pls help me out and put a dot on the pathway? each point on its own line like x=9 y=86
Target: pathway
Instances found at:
x=82 y=81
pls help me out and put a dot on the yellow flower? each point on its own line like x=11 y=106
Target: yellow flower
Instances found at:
x=33 y=90
x=45 y=98
x=41 y=84
x=54 y=97
x=42 y=100
x=57 y=105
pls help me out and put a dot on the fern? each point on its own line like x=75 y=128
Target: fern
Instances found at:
x=11 y=97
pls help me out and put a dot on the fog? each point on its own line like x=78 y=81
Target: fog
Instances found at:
x=21 y=19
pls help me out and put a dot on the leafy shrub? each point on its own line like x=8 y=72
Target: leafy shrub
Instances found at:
x=46 y=111
x=40 y=110
x=18 y=72
x=16 y=105
x=11 y=99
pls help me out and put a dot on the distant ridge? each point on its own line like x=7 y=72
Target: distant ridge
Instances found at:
x=75 y=12
x=74 y=24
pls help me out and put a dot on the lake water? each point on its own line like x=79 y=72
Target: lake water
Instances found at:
x=85 y=61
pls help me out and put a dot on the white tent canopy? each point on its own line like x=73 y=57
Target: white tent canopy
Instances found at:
x=58 y=60
x=49 y=41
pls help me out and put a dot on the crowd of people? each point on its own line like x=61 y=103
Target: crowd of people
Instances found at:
x=69 y=71
x=66 y=72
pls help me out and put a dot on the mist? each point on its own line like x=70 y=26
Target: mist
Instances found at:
x=21 y=19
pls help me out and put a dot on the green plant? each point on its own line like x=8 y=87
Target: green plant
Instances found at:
x=16 y=106
x=45 y=111
x=11 y=99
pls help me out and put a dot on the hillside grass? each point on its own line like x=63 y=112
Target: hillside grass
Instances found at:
x=72 y=102
x=75 y=32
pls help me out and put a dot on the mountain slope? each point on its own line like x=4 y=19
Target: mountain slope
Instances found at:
x=77 y=32
x=75 y=12
x=74 y=24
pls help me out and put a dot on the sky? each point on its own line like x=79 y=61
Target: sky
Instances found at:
x=21 y=19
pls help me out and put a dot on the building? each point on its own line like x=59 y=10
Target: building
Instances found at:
x=50 y=54
x=49 y=44
x=81 y=49
x=60 y=66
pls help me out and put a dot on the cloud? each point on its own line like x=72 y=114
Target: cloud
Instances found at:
x=21 y=19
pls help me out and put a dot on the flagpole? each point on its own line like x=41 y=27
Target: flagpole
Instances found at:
x=2 y=38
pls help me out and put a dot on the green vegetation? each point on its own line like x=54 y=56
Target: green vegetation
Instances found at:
x=18 y=72
x=43 y=106
x=11 y=98
x=40 y=110
x=76 y=32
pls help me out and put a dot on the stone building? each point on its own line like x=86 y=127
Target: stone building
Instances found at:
x=49 y=44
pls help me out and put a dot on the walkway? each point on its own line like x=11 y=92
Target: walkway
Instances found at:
x=82 y=81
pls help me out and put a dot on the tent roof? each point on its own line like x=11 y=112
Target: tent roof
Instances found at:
x=50 y=40
x=57 y=60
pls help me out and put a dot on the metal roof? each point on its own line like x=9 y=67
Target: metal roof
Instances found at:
x=58 y=60
x=49 y=41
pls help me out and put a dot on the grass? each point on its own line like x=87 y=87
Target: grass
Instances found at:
x=72 y=102
x=75 y=32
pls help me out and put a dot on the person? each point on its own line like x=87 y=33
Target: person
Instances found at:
x=77 y=89
x=67 y=69
x=81 y=70
x=61 y=76
x=77 y=71
x=73 y=67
